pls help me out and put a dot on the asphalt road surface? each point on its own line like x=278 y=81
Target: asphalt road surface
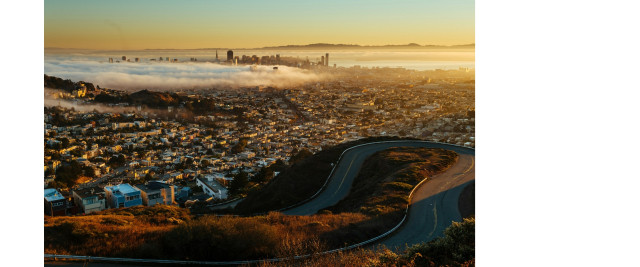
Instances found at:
x=434 y=204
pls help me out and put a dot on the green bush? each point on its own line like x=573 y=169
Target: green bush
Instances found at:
x=455 y=248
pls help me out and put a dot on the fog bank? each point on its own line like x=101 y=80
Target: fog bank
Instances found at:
x=167 y=76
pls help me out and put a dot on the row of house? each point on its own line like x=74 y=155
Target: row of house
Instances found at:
x=94 y=199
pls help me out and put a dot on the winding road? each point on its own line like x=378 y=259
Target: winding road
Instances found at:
x=434 y=204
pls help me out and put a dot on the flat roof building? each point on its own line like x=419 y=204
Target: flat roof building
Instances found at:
x=123 y=196
x=54 y=203
x=156 y=192
x=90 y=200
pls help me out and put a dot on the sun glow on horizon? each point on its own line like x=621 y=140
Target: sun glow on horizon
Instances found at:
x=121 y=25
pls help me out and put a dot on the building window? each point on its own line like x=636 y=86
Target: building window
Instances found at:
x=129 y=198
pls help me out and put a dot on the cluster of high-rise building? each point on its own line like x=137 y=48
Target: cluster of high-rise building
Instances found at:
x=276 y=60
x=247 y=60
x=137 y=59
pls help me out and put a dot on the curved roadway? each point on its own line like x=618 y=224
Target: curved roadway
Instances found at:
x=434 y=204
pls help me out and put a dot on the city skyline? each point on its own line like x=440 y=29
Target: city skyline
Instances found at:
x=118 y=25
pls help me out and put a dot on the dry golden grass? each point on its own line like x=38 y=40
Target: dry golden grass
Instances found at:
x=162 y=232
x=100 y=235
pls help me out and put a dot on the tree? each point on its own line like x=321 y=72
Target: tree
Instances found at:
x=65 y=142
x=304 y=153
x=67 y=174
x=117 y=161
x=240 y=146
x=278 y=166
x=264 y=175
x=240 y=181
x=205 y=163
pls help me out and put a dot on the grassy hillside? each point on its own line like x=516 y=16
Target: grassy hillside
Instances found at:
x=166 y=232
x=298 y=182
x=131 y=232
x=456 y=248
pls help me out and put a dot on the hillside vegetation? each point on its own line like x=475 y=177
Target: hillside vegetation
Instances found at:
x=455 y=248
x=167 y=232
x=300 y=181
x=387 y=177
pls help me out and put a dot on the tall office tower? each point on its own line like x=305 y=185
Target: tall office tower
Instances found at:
x=124 y=57
x=322 y=60
x=230 y=56
x=326 y=59
x=278 y=59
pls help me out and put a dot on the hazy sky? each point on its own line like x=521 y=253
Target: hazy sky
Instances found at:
x=117 y=24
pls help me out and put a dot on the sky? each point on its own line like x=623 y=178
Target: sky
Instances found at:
x=160 y=24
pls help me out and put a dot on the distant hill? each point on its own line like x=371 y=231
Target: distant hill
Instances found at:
x=67 y=85
x=145 y=98
x=327 y=46
x=153 y=99
x=354 y=46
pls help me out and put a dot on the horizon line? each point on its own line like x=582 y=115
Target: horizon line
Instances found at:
x=318 y=45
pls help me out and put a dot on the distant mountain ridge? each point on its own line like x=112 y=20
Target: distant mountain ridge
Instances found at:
x=341 y=46
x=351 y=46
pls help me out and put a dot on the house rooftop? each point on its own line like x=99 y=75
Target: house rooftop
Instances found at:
x=213 y=184
x=152 y=185
x=89 y=192
x=51 y=194
x=122 y=189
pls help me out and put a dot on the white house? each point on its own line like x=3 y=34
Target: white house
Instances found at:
x=212 y=188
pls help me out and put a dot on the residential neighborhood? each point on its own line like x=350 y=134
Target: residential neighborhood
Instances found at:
x=125 y=154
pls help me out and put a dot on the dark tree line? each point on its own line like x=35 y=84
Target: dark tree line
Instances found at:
x=67 y=85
